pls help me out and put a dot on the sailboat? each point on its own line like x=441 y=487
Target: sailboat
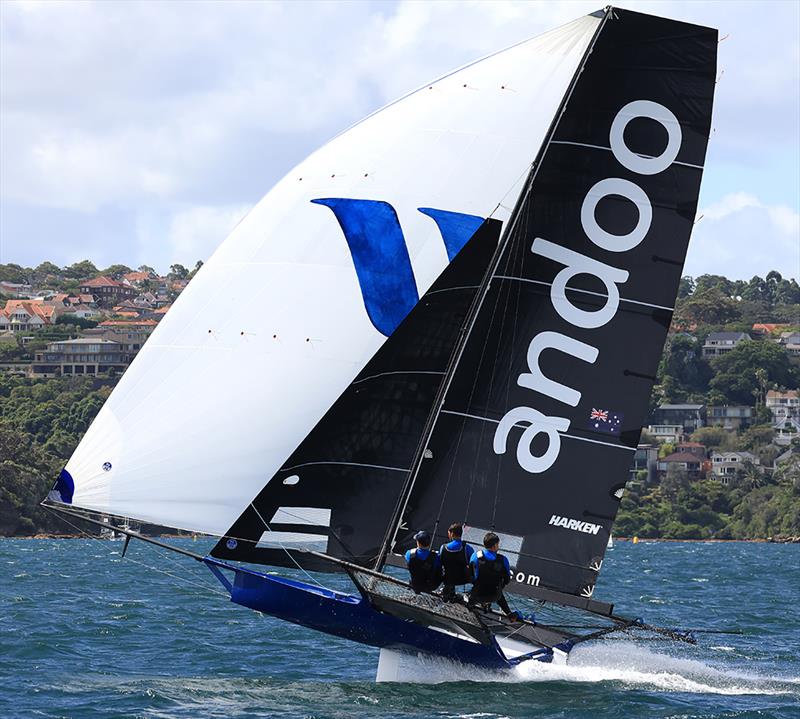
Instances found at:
x=453 y=311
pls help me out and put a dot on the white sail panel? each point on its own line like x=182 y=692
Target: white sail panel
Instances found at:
x=277 y=323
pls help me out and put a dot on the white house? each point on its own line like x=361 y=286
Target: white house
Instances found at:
x=725 y=464
x=783 y=404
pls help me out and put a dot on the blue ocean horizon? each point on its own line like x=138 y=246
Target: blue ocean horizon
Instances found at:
x=85 y=633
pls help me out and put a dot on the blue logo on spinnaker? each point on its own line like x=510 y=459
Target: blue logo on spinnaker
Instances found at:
x=380 y=255
x=65 y=486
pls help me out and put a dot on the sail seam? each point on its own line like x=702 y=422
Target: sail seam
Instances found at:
x=586 y=292
x=449 y=289
x=347 y=464
x=608 y=149
x=384 y=374
x=520 y=426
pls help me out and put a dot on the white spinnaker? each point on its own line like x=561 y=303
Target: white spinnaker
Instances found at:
x=274 y=328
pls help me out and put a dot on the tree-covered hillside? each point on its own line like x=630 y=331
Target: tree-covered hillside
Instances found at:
x=41 y=421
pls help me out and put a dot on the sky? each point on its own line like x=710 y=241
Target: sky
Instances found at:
x=142 y=132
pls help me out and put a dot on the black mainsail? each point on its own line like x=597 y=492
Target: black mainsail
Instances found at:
x=545 y=406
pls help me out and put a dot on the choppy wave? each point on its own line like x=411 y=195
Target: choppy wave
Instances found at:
x=84 y=636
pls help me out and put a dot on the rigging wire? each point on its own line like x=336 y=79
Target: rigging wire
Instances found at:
x=288 y=553
x=180 y=578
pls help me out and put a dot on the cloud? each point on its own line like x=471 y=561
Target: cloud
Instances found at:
x=741 y=236
x=197 y=231
x=144 y=112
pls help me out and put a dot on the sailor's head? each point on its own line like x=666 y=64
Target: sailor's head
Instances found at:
x=423 y=538
x=491 y=541
x=455 y=530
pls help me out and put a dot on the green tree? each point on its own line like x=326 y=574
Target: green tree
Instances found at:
x=80 y=270
x=178 y=272
x=736 y=376
x=710 y=306
x=14 y=273
x=197 y=266
x=116 y=270
x=75 y=321
x=46 y=269
x=712 y=437
x=683 y=370
x=715 y=282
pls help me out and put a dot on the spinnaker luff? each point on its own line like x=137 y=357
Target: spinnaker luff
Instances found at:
x=454 y=310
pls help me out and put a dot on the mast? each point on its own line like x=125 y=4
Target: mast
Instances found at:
x=477 y=303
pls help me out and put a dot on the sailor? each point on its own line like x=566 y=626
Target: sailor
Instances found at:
x=455 y=556
x=424 y=564
x=491 y=572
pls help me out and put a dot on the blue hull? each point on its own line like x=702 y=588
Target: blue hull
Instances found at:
x=350 y=617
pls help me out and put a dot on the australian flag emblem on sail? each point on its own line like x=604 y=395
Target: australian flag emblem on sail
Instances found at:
x=604 y=420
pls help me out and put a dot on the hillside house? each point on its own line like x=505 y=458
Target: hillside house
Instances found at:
x=695 y=448
x=28 y=315
x=730 y=417
x=82 y=356
x=718 y=343
x=689 y=416
x=671 y=433
x=786 y=429
x=644 y=458
x=725 y=464
x=783 y=404
x=688 y=462
x=790 y=341
x=131 y=340
x=137 y=278
x=106 y=291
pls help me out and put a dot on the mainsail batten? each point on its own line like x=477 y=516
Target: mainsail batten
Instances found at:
x=535 y=435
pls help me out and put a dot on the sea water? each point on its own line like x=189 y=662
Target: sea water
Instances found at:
x=87 y=634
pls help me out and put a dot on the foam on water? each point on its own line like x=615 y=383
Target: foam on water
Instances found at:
x=623 y=663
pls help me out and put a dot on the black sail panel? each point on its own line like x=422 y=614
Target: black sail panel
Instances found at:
x=546 y=404
x=342 y=483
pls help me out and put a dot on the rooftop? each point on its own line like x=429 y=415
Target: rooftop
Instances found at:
x=727 y=336
x=102 y=281
x=85 y=341
x=681 y=457
x=788 y=394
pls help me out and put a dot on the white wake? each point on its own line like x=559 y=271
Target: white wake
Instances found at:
x=624 y=663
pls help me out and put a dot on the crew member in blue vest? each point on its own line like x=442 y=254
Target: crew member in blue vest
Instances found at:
x=424 y=564
x=455 y=556
x=491 y=572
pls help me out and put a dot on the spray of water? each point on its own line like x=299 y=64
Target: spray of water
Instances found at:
x=623 y=663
